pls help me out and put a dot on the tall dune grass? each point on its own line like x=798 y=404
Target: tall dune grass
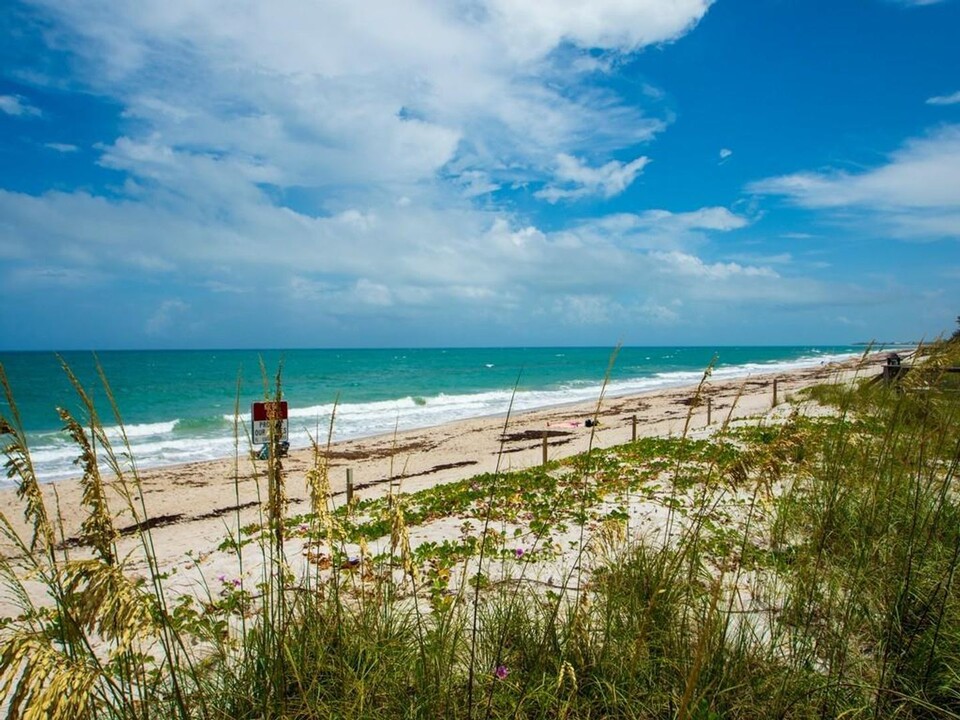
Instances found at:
x=806 y=569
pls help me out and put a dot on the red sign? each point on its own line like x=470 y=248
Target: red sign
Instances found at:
x=270 y=410
x=262 y=414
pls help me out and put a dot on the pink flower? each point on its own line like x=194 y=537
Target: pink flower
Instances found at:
x=501 y=672
x=222 y=578
x=519 y=553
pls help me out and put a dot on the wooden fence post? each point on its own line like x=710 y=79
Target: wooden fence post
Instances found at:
x=544 y=447
x=774 y=392
x=349 y=487
x=709 y=410
x=634 y=433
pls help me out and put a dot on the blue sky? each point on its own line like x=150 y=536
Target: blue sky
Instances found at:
x=477 y=172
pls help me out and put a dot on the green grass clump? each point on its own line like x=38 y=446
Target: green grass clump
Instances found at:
x=802 y=569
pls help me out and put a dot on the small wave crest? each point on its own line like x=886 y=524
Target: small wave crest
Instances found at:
x=142 y=430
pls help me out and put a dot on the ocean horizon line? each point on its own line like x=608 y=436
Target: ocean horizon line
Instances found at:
x=252 y=348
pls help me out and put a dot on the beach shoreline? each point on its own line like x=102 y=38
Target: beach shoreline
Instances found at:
x=180 y=408
x=192 y=508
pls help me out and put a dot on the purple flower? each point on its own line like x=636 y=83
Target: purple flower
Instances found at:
x=222 y=578
x=519 y=553
x=501 y=672
x=236 y=582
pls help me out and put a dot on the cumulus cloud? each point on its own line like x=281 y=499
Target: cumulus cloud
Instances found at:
x=951 y=99
x=916 y=193
x=341 y=96
x=616 y=24
x=575 y=179
x=17 y=106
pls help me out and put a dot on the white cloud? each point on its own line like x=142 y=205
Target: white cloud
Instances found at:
x=575 y=179
x=725 y=153
x=61 y=147
x=227 y=107
x=661 y=314
x=165 y=317
x=340 y=95
x=341 y=158
x=951 y=99
x=662 y=229
x=587 y=309
x=915 y=194
x=17 y=106
x=476 y=183
x=688 y=265
x=535 y=27
x=369 y=292
x=708 y=218
x=396 y=261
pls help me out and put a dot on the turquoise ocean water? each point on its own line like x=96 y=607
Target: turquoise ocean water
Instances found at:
x=179 y=406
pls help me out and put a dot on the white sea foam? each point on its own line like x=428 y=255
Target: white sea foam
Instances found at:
x=142 y=430
x=169 y=442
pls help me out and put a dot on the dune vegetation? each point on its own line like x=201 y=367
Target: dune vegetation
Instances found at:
x=797 y=568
